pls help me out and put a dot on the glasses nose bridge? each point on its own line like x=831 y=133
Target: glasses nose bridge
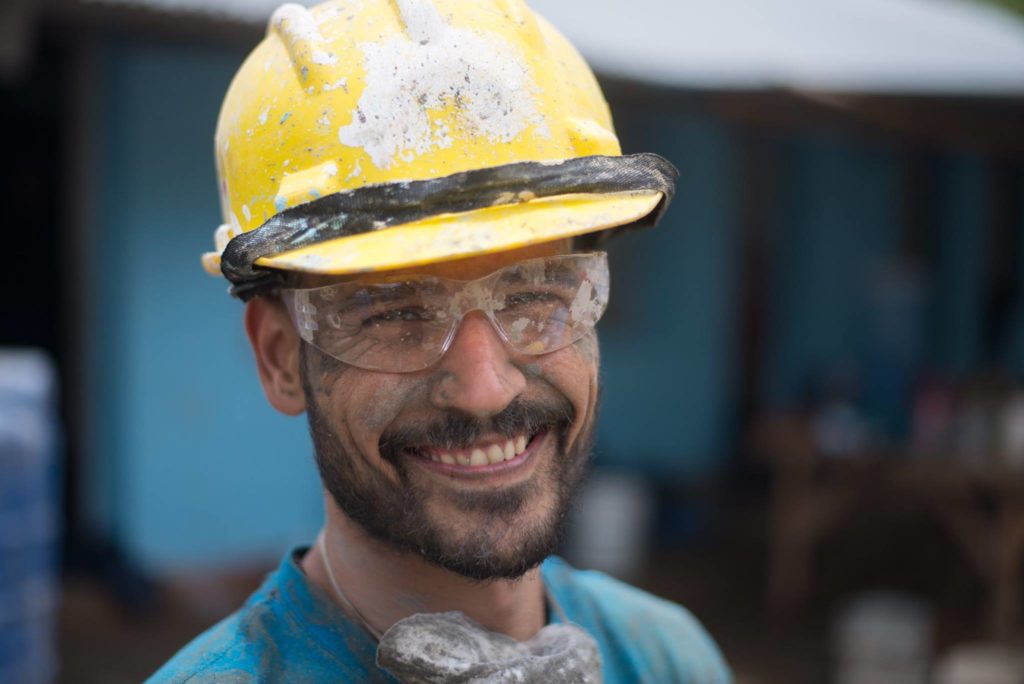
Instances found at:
x=471 y=296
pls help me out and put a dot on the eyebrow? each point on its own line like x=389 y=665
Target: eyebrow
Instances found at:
x=382 y=291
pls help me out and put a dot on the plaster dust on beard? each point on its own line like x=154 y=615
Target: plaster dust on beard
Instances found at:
x=433 y=67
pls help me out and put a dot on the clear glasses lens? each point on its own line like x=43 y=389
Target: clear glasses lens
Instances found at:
x=538 y=306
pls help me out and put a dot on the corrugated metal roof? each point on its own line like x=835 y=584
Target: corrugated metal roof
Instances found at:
x=887 y=46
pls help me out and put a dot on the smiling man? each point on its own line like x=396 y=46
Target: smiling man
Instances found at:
x=413 y=191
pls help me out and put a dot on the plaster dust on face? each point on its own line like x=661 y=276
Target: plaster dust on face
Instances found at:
x=480 y=533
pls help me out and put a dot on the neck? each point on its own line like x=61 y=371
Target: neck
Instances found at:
x=385 y=585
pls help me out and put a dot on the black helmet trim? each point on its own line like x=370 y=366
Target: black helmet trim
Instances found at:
x=386 y=205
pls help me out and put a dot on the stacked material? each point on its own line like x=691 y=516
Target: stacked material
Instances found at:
x=29 y=496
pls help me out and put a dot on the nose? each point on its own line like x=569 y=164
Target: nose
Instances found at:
x=478 y=376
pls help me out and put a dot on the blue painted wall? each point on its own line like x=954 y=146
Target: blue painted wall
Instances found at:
x=668 y=339
x=1013 y=346
x=957 y=286
x=835 y=231
x=189 y=465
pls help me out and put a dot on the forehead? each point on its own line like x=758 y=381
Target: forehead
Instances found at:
x=458 y=269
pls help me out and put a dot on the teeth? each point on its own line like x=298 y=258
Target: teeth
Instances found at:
x=492 y=455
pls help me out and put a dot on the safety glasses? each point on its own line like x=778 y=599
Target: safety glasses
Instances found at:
x=407 y=324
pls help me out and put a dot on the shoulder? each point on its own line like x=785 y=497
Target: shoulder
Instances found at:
x=227 y=652
x=285 y=632
x=642 y=637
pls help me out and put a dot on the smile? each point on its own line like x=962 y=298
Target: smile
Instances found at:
x=484 y=457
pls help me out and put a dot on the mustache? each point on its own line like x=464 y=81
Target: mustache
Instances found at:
x=458 y=430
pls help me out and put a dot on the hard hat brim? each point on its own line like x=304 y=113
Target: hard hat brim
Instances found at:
x=446 y=237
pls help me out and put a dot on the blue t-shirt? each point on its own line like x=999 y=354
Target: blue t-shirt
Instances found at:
x=290 y=631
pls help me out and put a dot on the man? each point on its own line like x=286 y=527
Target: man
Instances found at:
x=409 y=189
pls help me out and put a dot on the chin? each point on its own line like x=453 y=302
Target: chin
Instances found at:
x=511 y=537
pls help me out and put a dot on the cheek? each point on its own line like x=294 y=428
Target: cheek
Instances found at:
x=582 y=365
x=577 y=361
x=589 y=351
x=383 y=400
x=572 y=371
x=321 y=373
x=589 y=358
x=358 y=404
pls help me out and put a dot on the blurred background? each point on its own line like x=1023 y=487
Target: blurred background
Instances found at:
x=813 y=419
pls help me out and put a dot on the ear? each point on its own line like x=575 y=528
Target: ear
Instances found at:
x=275 y=344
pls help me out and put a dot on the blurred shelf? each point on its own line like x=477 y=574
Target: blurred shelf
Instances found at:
x=980 y=504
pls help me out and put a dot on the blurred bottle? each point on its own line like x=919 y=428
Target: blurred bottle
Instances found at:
x=883 y=638
x=611 y=527
x=979 y=432
x=980 y=664
x=841 y=429
x=892 y=328
x=1013 y=430
x=932 y=420
x=28 y=518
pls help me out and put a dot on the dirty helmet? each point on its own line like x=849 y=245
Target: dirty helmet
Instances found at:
x=370 y=135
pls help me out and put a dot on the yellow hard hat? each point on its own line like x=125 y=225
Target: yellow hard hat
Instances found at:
x=367 y=135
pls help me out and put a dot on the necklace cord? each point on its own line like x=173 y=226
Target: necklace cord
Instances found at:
x=321 y=543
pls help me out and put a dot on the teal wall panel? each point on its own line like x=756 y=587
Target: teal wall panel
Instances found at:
x=195 y=467
x=1013 y=346
x=668 y=340
x=837 y=228
x=957 y=285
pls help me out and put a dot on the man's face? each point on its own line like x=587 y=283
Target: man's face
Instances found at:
x=383 y=441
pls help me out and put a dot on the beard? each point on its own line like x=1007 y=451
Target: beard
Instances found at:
x=514 y=528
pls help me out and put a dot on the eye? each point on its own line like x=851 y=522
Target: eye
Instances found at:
x=527 y=298
x=404 y=315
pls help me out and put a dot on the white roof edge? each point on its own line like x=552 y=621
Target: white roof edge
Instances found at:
x=927 y=47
